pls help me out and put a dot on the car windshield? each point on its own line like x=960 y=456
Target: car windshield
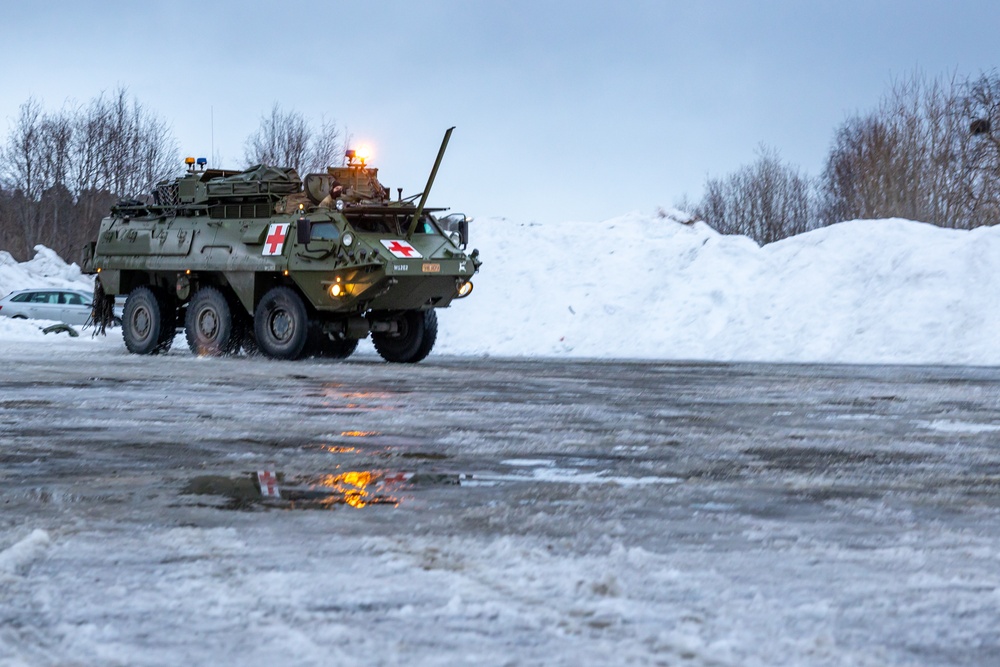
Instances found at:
x=324 y=231
x=391 y=224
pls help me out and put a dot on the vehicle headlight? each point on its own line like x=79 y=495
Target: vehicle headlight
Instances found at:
x=464 y=289
x=348 y=239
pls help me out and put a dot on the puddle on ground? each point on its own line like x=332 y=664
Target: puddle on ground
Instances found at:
x=355 y=488
x=363 y=488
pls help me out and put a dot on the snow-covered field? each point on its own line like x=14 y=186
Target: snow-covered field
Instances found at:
x=872 y=291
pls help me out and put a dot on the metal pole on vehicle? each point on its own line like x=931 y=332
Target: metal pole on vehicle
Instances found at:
x=430 y=182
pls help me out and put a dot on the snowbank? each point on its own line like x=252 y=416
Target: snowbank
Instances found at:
x=46 y=269
x=636 y=286
x=872 y=291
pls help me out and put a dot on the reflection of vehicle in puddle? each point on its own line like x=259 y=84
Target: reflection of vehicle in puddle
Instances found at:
x=355 y=489
x=364 y=488
x=351 y=488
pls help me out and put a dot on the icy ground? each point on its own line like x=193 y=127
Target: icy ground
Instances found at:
x=873 y=291
x=471 y=511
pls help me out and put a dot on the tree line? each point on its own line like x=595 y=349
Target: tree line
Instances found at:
x=930 y=151
x=61 y=171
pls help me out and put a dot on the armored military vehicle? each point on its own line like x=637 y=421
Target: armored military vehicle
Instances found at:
x=263 y=260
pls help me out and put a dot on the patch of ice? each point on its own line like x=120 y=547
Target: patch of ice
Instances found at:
x=952 y=426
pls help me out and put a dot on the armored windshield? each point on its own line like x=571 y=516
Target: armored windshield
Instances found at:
x=388 y=223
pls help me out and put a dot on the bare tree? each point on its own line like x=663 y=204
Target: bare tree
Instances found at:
x=62 y=170
x=766 y=200
x=22 y=157
x=909 y=158
x=327 y=148
x=285 y=139
x=56 y=144
x=981 y=168
x=21 y=162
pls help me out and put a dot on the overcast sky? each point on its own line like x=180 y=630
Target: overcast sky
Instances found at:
x=576 y=110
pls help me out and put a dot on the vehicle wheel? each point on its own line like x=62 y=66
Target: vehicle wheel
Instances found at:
x=414 y=340
x=209 y=324
x=321 y=345
x=148 y=323
x=281 y=324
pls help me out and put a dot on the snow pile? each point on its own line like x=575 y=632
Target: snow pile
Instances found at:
x=46 y=269
x=872 y=291
x=865 y=291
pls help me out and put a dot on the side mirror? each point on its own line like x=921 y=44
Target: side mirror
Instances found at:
x=303 y=231
x=457 y=223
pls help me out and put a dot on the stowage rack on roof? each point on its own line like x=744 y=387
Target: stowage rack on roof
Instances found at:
x=261 y=183
x=261 y=180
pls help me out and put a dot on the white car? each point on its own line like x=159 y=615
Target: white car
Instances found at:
x=71 y=306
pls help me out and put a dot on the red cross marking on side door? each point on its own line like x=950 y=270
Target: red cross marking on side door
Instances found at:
x=275 y=239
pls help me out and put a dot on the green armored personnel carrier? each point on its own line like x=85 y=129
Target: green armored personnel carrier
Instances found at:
x=263 y=260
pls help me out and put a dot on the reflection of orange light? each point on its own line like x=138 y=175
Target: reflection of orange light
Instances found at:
x=337 y=449
x=352 y=486
x=338 y=399
x=359 y=434
x=331 y=392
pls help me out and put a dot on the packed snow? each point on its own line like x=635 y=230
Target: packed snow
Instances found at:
x=641 y=286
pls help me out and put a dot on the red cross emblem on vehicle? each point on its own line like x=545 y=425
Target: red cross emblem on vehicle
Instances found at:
x=401 y=249
x=268 y=484
x=275 y=241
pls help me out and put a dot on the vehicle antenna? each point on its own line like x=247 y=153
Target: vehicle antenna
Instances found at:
x=430 y=182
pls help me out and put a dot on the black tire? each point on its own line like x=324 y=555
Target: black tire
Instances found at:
x=208 y=324
x=149 y=322
x=321 y=345
x=281 y=324
x=414 y=340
